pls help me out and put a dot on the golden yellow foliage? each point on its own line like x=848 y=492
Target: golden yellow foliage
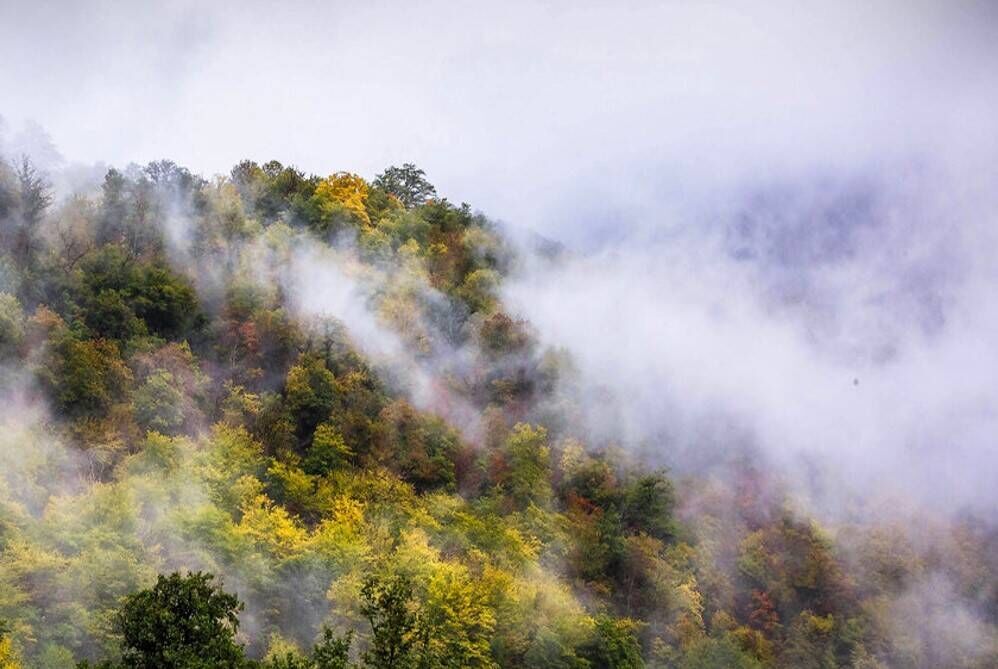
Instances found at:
x=340 y=537
x=8 y=655
x=345 y=190
x=462 y=624
x=271 y=527
x=688 y=607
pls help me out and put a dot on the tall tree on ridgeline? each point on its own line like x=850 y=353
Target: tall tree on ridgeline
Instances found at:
x=408 y=183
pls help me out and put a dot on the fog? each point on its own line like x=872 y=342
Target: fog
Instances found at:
x=569 y=118
x=843 y=331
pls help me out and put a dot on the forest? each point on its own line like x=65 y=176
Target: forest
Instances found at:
x=279 y=420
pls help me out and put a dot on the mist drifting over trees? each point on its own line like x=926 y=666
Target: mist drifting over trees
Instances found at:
x=700 y=376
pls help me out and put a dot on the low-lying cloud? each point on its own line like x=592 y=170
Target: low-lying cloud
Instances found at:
x=844 y=328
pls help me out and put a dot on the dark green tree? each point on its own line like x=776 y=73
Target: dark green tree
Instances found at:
x=121 y=297
x=388 y=606
x=332 y=652
x=114 y=208
x=310 y=393
x=35 y=192
x=271 y=190
x=613 y=644
x=20 y=233
x=408 y=183
x=649 y=502
x=8 y=191
x=183 y=622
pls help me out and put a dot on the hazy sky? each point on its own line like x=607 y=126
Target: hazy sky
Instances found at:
x=544 y=114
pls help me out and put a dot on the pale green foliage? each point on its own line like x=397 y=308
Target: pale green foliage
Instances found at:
x=479 y=289
x=528 y=478
x=11 y=324
x=328 y=451
x=158 y=402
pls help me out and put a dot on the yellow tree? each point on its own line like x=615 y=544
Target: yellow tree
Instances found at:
x=343 y=193
x=8 y=654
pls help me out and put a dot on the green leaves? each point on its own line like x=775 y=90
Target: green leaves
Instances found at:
x=120 y=297
x=407 y=183
x=614 y=643
x=328 y=451
x=309 y=393
x=526 y=479
x=158 y=403
x=395 y=634
x=84 y=375
x=183 y=622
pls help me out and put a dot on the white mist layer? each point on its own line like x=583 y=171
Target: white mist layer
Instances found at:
x=852 y=345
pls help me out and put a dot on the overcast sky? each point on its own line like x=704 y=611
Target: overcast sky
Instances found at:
x=543 y=114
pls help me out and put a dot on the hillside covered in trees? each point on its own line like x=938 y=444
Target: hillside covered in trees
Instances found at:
x=280 y=420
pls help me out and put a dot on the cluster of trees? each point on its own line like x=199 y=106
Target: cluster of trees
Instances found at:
x=189 y=621
x=196 y=421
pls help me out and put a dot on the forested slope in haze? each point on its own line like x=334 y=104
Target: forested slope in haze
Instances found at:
x=309 y=389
